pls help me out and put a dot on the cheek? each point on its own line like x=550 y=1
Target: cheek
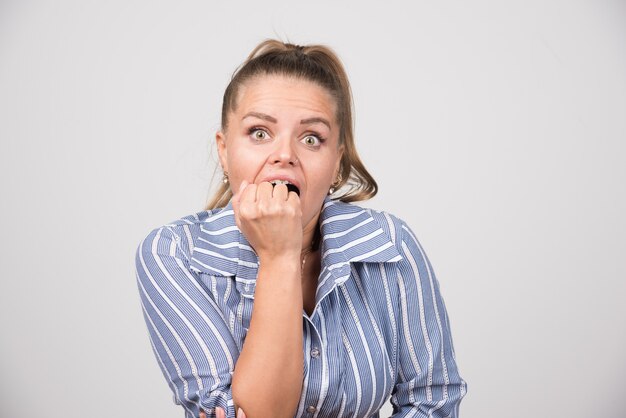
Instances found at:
x=322 y=177
x=243 y=161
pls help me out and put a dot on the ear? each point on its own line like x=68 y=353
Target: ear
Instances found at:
x=222 y=150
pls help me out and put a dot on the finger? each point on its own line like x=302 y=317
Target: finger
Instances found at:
x=236 y=200
x=219 y=413
x=246 y=207
x=237 y=194
x=202 y=414
x=293 y=198
x=264 y=192
x=240 y=414
x=280 y=192
x=249 y=193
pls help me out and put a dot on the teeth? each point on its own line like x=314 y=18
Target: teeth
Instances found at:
x=275 y=182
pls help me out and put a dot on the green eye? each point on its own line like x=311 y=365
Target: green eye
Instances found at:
x=258 y=134
x=311 y=140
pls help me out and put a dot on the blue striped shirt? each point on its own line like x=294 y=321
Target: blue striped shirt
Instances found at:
x=379 y=329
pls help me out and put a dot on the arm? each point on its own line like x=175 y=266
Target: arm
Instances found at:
x=269 y=374
x=192 y=341
x=189 y=336
x=428 y=383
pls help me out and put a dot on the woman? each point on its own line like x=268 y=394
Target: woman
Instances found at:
x=282 y=298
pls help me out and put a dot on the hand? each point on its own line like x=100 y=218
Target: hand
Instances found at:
x=219 y=413
x=270 y=217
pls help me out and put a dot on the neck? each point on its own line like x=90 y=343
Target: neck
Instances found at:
x=309 y=235
x=310 y=267
x=310 y=252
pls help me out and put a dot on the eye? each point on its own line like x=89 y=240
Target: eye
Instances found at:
x=312 y=140
x=258 y=134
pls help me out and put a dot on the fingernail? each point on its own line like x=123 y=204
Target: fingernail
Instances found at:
x=243 y=185
x=240 y=413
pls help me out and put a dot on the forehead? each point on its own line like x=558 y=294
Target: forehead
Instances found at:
x=283 y=93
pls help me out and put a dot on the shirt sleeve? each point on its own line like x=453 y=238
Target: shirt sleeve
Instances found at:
x=428 y=383
x=189 y=335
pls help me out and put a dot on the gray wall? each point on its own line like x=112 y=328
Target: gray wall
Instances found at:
x=496 y=129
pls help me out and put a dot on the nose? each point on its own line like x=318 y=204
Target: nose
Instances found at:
x=284 y=153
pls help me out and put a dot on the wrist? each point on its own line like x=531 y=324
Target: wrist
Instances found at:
x=285 y=266
x=286 y=258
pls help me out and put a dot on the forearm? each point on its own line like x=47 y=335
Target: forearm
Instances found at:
x=268 y=376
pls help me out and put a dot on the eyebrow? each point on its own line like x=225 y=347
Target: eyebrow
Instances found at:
x=272 y=119
x=260 y=116
x=315 y=120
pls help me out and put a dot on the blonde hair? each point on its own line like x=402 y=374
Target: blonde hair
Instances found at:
x=318 y=64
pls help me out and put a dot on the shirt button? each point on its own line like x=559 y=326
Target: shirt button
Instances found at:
x=310 y=409
x=315 y=352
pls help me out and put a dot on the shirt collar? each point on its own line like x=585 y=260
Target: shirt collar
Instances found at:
x=349 y=234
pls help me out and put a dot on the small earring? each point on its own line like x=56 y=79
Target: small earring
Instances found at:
x=225 y=178
x=335 y=184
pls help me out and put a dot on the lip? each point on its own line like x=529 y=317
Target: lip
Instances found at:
x=283 y=177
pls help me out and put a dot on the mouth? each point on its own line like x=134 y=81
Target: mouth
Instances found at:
x=290 y=187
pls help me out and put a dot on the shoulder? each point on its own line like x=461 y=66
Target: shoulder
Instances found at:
x=413 y=256
x=390 y=223
x=396 y=230
x=181 y=233
x=402 y=236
